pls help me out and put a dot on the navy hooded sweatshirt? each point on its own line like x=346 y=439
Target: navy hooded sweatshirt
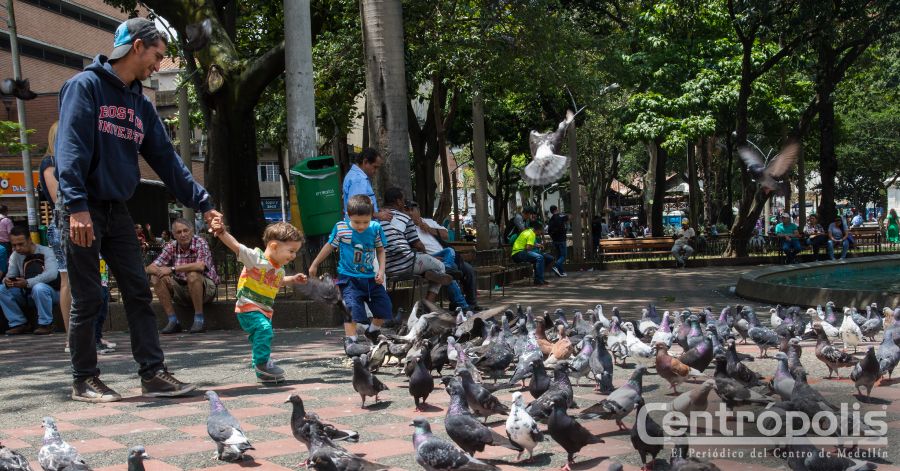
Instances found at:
x=103 y=125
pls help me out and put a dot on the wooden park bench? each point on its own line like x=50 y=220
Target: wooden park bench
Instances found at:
x=867 y=236
x=636 y=248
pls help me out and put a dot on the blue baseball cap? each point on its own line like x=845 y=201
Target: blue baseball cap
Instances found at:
x=130 y=31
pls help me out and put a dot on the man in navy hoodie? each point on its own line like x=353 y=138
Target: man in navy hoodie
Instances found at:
x=105 y=121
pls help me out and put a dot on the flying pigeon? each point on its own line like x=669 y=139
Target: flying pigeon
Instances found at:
x=570 y=435
x=225 y=431
x=20 y=89
x=467 y=432
x=301 y=420
x=770 y=176
x=436 y=454
x=364 y=382
x=57 y=454
x=197 y=35
x=866 y=373
x=546 y=165
x=136 y=456
x=521 y=429
x=11 y=460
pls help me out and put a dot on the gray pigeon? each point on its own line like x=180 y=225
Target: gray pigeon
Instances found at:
x=11 y=460
x=567 y=432
x=620 y=402
x=601 y=364
x=888 y=353
x=325 y=455
x=421 y=384
x=782 y=383
x=364 y=382
x=435 y=454
x=467 y=432
x=301 y=420
x=546 y=165
x=57 y=454
x=521 y=429
x=866 y=373
x=695 y=400
x=810 y=458
x=580 y=364
x=770 y=176
x=764 y=337
x=482 y=402
x=733 y=392
x=541 y=407
x=136 y=456
x=225 y=431
x=872 y=325
x=540 y=381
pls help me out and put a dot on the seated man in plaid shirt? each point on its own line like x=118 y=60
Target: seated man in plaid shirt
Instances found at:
x=184 y=272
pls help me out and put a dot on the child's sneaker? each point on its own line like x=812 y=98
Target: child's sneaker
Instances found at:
x=103 y=349
x=269 y=373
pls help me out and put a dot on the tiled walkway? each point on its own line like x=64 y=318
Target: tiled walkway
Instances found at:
x=34 y=381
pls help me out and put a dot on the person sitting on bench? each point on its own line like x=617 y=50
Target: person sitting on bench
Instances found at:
x=527 y=249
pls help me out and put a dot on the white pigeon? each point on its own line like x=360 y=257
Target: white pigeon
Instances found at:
x=546 y=165
x=635 y=346
x=600 y=317
x=829 y=329
x=851 y=334
x=56 y=454
x=521 y=429
x=646 y=326
x=663 y=334
x=616 y=343
x=775 y=320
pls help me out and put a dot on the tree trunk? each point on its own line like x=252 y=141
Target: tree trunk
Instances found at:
x=445 y=203
x=479 y=155
x=648 y=192
x=827 y=159
x=575 y=198
x=382 y=24
x=694 y=185
x=658 y=191
x=709 y=181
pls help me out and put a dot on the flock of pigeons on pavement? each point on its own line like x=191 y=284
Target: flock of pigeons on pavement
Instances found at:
x=544 y=354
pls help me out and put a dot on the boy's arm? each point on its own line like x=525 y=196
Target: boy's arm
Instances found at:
x=299 y=278
x=226 y=238
x=327 y=249
x=379 y=277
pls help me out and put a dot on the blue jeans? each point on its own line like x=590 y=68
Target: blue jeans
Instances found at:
x=357 y=292
x=538 y=259
x=791 y=248
x=561 y=255
x=448 y=256
x=42 y=296
x=844 y=247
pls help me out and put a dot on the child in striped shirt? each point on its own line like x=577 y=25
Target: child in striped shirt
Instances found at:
x=261 y=278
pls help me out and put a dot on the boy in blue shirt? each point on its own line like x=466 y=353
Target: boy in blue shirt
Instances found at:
x=359 y=240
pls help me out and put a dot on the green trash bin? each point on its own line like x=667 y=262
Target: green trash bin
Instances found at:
x=318 y=184
x=42 y=230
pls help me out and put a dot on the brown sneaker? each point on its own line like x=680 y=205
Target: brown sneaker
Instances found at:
x=19 y=329
x=43 y=330
x=93 y=390
x=442 y=279
x=163 y=384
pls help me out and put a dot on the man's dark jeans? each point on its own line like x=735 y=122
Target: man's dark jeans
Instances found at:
x=115 y=238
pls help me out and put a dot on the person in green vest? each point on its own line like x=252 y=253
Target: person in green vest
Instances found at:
x=527 y=249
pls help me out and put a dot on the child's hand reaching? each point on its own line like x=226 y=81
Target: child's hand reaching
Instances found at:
x=300 y=279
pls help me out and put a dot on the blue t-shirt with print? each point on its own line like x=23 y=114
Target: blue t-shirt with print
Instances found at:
x=356 y=249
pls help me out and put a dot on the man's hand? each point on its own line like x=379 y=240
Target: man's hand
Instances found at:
x=216 y=226
x=81 y=229
x=16 y=283
x=208 y=218
x=384 y=215
x=379 y=277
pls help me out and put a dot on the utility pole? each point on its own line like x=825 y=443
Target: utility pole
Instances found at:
x=184 y=138
x=300 y=90
x=30 y=202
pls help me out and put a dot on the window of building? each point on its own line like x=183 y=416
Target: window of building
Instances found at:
x=42 y=52
x=77 y=13
x=268 y=172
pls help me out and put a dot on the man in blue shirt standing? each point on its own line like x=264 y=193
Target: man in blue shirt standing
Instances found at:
x=358 y=180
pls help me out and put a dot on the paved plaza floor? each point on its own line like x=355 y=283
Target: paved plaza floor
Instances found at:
x=35 y=382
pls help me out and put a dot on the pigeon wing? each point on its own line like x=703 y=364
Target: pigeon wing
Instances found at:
x=439 y=454
x=782 y=163
x=750 y=157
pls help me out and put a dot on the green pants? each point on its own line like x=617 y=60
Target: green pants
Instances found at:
x=259 y=332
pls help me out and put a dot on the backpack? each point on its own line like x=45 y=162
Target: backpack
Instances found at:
x=34 y=266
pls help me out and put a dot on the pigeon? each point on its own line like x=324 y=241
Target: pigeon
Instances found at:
x=664 y=333
x=872 y=325
x=301 y=421
x=782 y=382
x=566 y=431
x=601 y=364
x=648 y=325
x=833 y=358
x=672 y=370
x=620 y=402
x=733 y=392
x=738 y=370
x=56 y=454
x=467 y=432
x=355 y=348
x=197 y=35
x=379 y=355
x=701 y=355
x=859 y=319
x=810 y=458
x=827 y=320
x=635 y=346
x=770 y=176
x=650 y=428
x=496 y=358
x=851 y=334
x=136 y=456
x=521 y=429
x=695 y=400
x=482 y=402
x=11 y=460
x=225 y=431
x=420 y=383
x=436 y=454
x=560 y=387
x=777 y=317
x=364 y=382
x=581 y=326
x=682 y=460
x=19 y=88
x=763 y=337
x=546 y=165
x=616 y=342
x=695 y=334
x=324 y=455
x=793 y=354
x=580 y=364
x=742 y=326
x=888 y=353
x=866 y=373
x=539 y=382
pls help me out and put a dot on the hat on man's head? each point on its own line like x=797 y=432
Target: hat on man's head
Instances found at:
x=130 y=31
